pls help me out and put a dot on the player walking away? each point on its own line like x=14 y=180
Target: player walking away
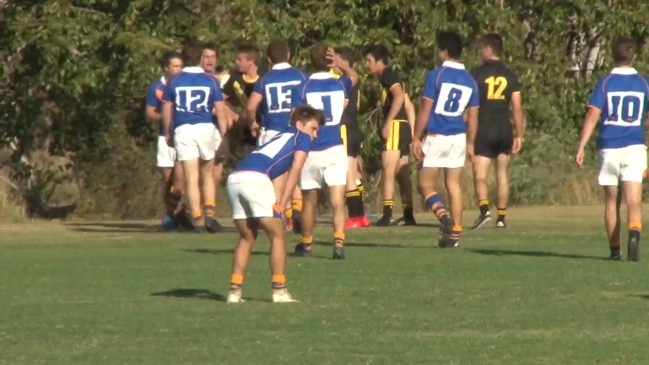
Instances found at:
x=271 y=101
x=239 y=87
x=620 y=102
x=172 y=173
x=449 y=91
x=396 y=134
x=495 y=140
x=255 y=205
x=327 y=161
x=342 y=62
x=190 y=99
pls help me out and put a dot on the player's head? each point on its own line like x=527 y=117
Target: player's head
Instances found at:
x=449 y=46
x=209 y=57
x=307 y=119
x=247 y=57
x=625 y=51
x=171 y=62
x=377 y=58
x=318 y=56
x=346 y=54
x=191 y=54
x=278 y=51
x=491 y=46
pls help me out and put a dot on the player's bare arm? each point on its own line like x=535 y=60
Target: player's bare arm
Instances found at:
x=299 y=158
x=152 y=114
x=398 y=99
x=166 y=120
x=516 y=105
x=420 y=126
x=251 y=112
x=472 y=130
x=590 y=122
x=410 y=112
x=222 y=116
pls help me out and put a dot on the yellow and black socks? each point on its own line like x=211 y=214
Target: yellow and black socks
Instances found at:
x=434 y=202
x=198 y=220
x=634 y=230
x=288 y=213
x=236 y=282
x=307 y=243
x=388 y=205
x=408 y=212
x=278 y=282
x=484 y=206
x=339 y=239
x=296 y=204
x=502 y=212
x=209 y=209
x=354 y=203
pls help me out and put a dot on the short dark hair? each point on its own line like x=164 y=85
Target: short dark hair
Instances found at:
x=624 y=49
x=306 y=113
x=493 y=41
x=212 y=46
x=379 y=52
x=346 y=54
x=167 y=56
x=450 y=42
x=191 y=54
x=250 y=50
x=318 y=54
x=277 y=51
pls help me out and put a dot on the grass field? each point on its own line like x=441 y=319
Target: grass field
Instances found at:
x=541 y=292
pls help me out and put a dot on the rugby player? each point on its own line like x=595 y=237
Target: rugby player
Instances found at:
x=255 y=203
x=449 y=92
x=271 y=96
x=500 y=92
x=342 y=62
x=191 y=98
x=619 y=102
x=327 y=161
x=172 y=173
x=396 y=135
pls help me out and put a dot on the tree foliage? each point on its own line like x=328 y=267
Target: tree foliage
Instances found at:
x=74 y=73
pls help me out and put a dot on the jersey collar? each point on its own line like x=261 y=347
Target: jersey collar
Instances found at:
x=624 y=71
x=281 y=66
x=163 y=80
x=453 y=64
x=194 y=70
x=321 y=75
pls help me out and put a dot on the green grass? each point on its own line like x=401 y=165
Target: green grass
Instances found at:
x=538 y=293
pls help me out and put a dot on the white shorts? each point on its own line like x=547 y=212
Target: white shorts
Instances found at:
x=166 y=156
x=444 y=151
x=193 y=141
x=252 y=195
x=625 y=164
x=325 y=167
x=266 y=135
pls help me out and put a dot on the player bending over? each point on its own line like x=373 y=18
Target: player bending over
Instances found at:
x=255 y=205
x=190 y=100
x=620 y=102
x=449 y=91
x=327 y=162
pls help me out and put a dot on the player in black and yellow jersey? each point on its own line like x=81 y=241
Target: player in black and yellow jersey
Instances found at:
x=342 y=62
x=500 y=106
x=396 y=133
x=238 y=88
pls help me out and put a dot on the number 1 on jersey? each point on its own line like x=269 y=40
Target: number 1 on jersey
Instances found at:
x=496 y=87
x=326 y=108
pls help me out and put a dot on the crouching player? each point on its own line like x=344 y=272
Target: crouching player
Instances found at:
x=255 y=205
x=620 y=102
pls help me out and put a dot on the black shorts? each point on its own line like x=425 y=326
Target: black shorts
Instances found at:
x=495 y=140
x=352 y=140
x=399 y=137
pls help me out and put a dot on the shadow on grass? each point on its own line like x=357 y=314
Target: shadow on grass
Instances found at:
x=191 y=293
x=498 y=252
x=641 y=296
x=373 y=245
x=222 y=251
x=126 y=227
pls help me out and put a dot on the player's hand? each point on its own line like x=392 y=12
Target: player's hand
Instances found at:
x=385 y=133
x=278 y=211
x=579 y=158
x=417 y=150
x=518 y=144
x=169 y=139
x=255 y=129
x=470 y=152
x=332 y=57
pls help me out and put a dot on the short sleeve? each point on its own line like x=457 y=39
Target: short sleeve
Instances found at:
x=303 y=142
x=389 y=78
x=474 y=101
x=215 y=91
x=258 y=87
x=598 y=98
x=228 y=88
x=154 y=94
x=430 y=89
x=514 y=83
x=297 y=95
x=168 y=93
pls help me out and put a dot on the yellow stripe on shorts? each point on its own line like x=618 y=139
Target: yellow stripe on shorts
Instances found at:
x=343 y=134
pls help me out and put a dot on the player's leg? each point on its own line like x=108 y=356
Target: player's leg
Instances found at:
x=221 y=155
x=207 y=147
x=274 y=228
x=481 y=165
x=296 y=210
x=433 y=148
x=311 y=179
x=178 y=198
x=247 y=235
x=389 y=167
x=612 y=223
x=335 y=167
x=452 y=181
x=632 y=173
x=353 y=196
x=502 y=183
x=187 y=152
x=405 y=187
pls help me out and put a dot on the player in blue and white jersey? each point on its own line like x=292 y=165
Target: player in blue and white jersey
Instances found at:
x=449 y=92
x=620 y=102
x=327 y=162
x=271 y=100
x=171 y=64
x=191 y=98
x=255 y=203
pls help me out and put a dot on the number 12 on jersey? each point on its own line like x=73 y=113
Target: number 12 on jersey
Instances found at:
x=496 y=87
